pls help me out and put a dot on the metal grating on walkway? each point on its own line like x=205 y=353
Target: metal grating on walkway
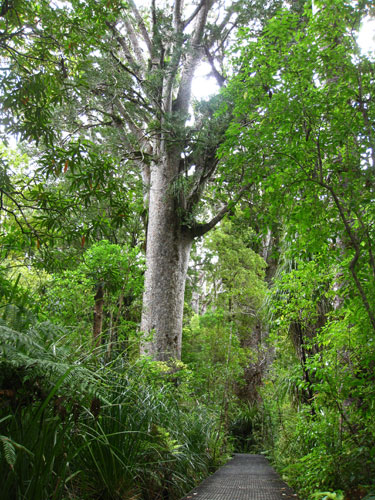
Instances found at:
x=245 y=477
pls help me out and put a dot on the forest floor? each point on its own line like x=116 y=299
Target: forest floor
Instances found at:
x=244 y=477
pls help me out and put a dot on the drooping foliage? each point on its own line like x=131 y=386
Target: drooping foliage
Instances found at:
x=303 y=137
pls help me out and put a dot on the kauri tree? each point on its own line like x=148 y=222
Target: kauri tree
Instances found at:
x=127 y=89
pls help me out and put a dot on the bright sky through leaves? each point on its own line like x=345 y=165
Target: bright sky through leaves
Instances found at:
x=366 y=38
x=205 y=85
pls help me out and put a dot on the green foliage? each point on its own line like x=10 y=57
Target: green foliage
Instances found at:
x=39 y=66
x=335 y=495
x=239 y=270
x=246 y=428
x=144 y=442
x=118 y=268
x=322 y=402
x=15 y=302
x=214 y=353
x=69 y=427
x=9 y=447
x=35 y=359
x=221 y=344
x=119 y=271
x=301 y=138
x=320 y=386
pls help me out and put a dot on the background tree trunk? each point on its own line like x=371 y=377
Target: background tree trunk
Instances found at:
x=98 y=316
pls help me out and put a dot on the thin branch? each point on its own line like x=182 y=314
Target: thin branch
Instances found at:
x=205 y=173
x=369 y=243
x=193 y=15
x=24 y=206
x=219 y=29
x=177 y=24
x=124 y=67
x=320 y=161
x=154 y=20
x=86 y=127
x=357 y=254
x=135 y=43
x=30 y=227
x=201 y=229
x=10 y=212
x=133 y=127
x=141 y=25
x=364 y=112
x=219 y=77
x=6 y=6
x=224 y=38
x=121 y=41
x=184 y=92
x=9 y=36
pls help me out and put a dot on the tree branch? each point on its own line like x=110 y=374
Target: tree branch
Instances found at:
x=184 y=92
x=121 y=41
x=135 y=44
x=220 y=29
x=124 y=67
x=11 y=212
x=193 y=15
x=177 y=15
x=357 y=254
x=142 y=26
x=219 y=77
x=133 y=127
x=201 y=229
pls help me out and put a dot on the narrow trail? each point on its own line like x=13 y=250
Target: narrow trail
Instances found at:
x=245 y=477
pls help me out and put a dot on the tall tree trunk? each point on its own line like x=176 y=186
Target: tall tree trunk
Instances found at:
x=167 y=256
x=161 y=62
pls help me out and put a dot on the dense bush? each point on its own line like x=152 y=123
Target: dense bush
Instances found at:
x=74 y=430
x=319 y=392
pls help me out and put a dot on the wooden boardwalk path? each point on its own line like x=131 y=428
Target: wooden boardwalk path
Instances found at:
x=245 y=477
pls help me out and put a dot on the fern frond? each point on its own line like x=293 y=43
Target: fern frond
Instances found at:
x=9 y=450
x=37 y=355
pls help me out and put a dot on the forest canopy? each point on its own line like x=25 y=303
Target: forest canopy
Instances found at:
x=183 y=277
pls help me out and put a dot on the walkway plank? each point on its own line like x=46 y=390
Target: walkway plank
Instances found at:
x=244 y=477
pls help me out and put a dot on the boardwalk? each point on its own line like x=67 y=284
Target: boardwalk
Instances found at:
x=245 y=477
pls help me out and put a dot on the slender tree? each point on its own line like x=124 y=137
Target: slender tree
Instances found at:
x=303 y=108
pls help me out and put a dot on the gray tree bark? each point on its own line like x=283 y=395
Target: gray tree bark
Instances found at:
x=167 y=256
x=161 y=62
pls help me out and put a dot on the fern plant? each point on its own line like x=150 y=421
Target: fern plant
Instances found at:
x=36 y=359
x=70 y=431
x=43 y=390
x=9 y=446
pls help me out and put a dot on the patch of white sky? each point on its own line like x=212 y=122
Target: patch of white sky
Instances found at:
x=366 y=36
x=205 y=85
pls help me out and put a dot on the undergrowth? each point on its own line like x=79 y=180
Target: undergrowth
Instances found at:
x=74 y=429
